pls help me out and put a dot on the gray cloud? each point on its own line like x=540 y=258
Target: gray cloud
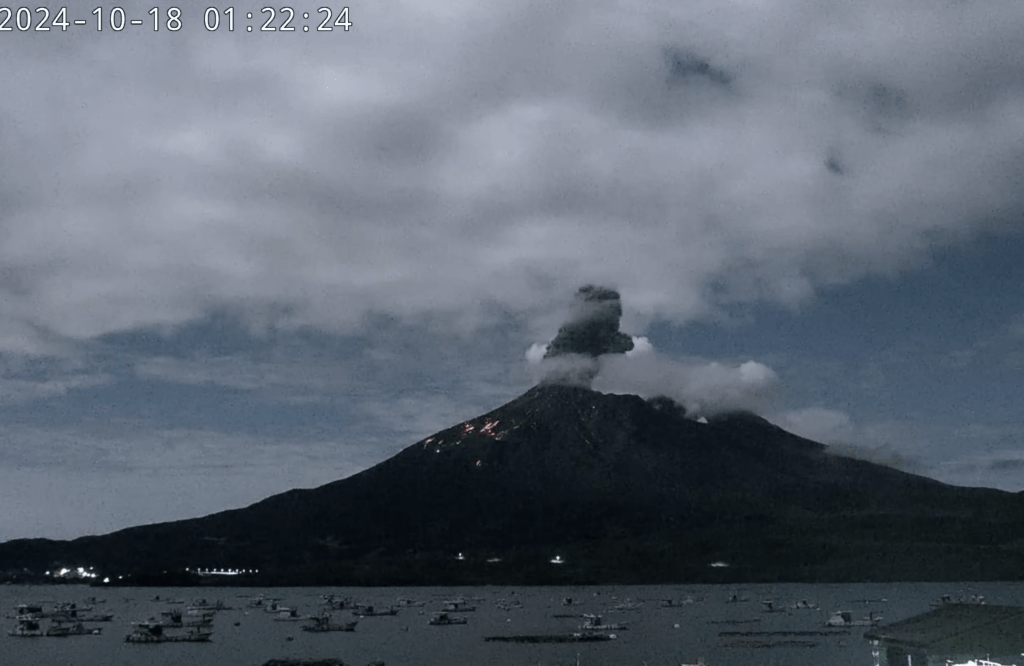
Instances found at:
x=769 y=151
x=434 y=183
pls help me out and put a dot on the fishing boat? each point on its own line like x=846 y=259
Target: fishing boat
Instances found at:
x=335 y=603
x=595 y=623
x=323 y=623
x=458 y=606
x=626 y=606
x=367 y=610
x=444 y=619
x=172 y=619
x=152 y=631
x=289 y=615
x=27 y=628
x=33 y=611
x=202 y=605
x=844 y=618
x=60 y=629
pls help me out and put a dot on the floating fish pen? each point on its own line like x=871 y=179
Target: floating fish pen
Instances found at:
x=762 y=645
x=154 y=633
x=553 y=638
x=810 y=632
x=59 y=630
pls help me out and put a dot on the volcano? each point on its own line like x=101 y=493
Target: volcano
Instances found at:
x=614 y=488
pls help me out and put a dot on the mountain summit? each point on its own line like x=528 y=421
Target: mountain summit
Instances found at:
x=620 y=488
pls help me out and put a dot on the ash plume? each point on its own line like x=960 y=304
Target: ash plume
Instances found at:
x=590 y=351
x=591 y=331
x=593 y=326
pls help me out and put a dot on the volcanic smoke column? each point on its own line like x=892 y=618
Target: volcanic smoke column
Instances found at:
x=592 y=330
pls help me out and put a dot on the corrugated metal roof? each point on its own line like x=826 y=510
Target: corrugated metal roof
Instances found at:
x=958 y=629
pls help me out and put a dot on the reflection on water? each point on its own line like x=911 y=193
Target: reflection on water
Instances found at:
x=752 y=625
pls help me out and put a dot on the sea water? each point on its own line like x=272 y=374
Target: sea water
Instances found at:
x=722 y=632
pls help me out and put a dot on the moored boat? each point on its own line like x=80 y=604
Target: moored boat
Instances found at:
x=458 y=606
x=367 y=610
x=152 y=631
x=444 y=619
x=324 y=623
x=202 y=606
x=596 y=623
x=60 y=629
x=27 y=628
x=27 y=611
x=844 y=618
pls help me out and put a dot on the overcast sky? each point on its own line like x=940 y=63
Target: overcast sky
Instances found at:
x=234 y=263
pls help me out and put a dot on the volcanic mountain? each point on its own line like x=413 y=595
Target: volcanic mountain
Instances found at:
x=620 y=488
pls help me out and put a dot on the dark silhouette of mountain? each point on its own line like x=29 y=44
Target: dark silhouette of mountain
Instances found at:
x=622 y=489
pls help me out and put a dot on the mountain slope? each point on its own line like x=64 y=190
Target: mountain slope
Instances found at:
x=634 y=489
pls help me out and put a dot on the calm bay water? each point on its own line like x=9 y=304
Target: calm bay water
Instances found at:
x=653 y=638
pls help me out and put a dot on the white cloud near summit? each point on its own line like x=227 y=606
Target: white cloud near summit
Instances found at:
x=703 y=387
x=449 y=161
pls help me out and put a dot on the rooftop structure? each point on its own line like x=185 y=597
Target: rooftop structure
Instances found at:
x=951 y=633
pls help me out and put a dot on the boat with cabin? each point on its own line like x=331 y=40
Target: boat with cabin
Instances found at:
x=596 y=623
x=28 y=627
x=445 y=619
x=368 y=610
x=60 y=629
x=844 y=618
x=323 y=623
x=152 y=631
x=459 y=605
